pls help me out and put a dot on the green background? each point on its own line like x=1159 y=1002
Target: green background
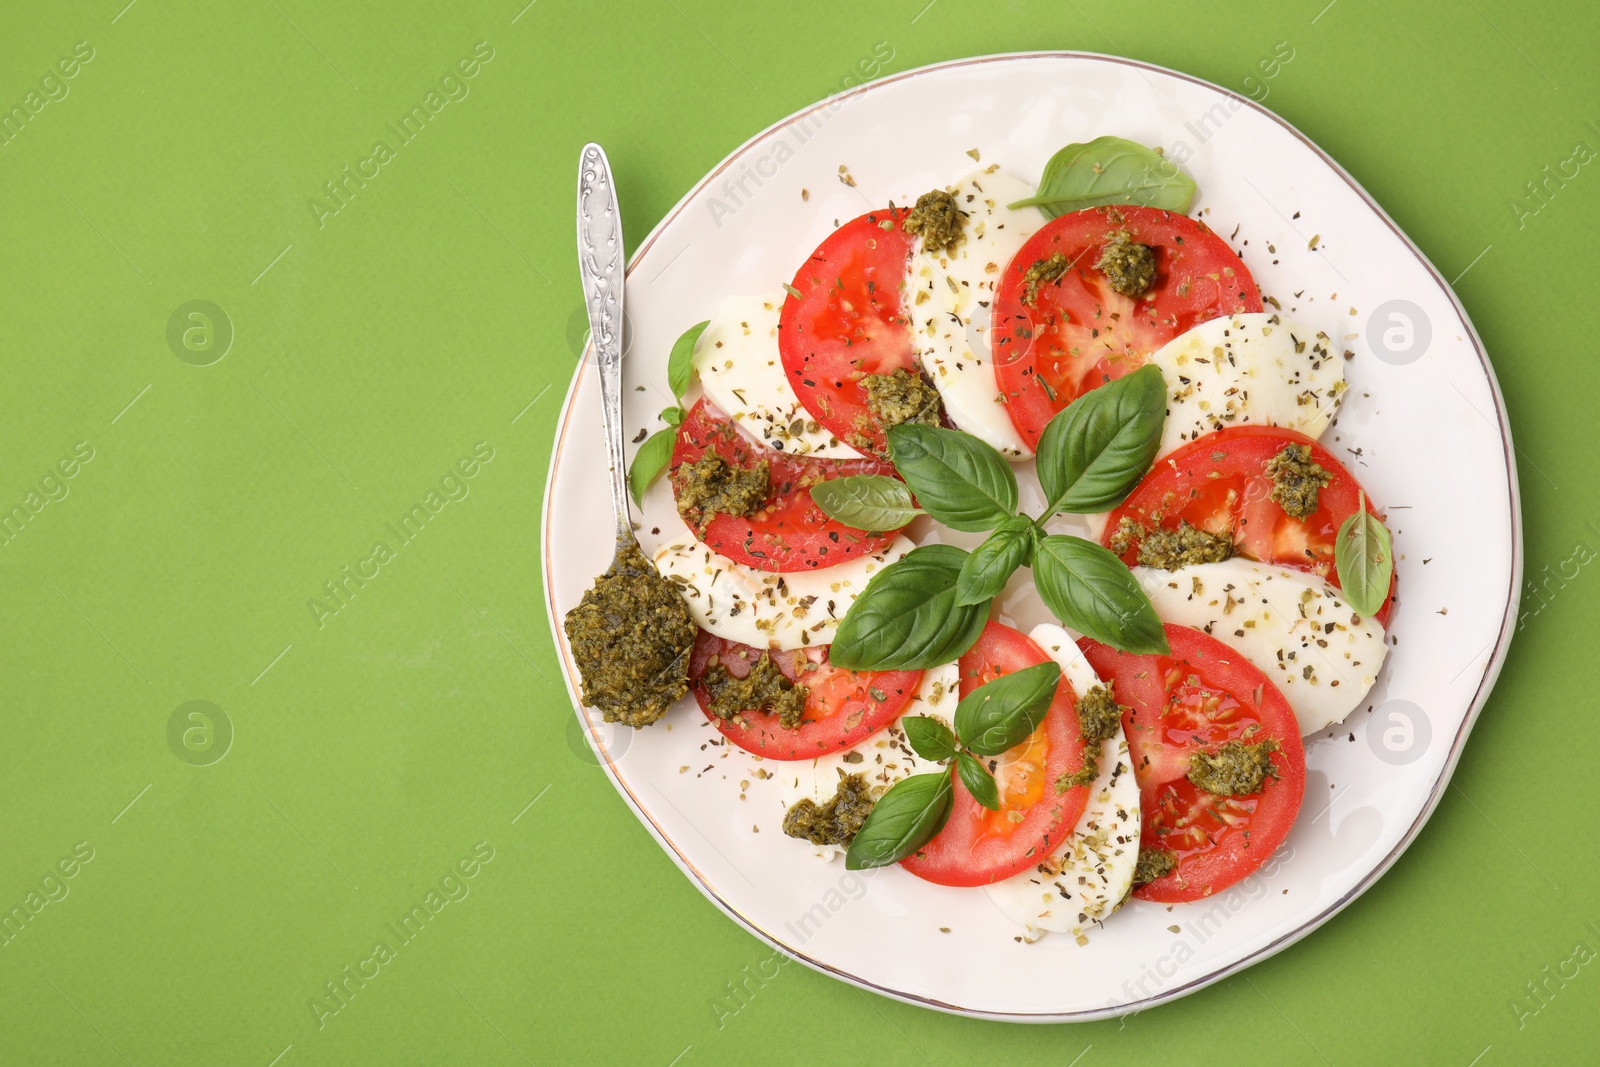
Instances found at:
x=437 y=310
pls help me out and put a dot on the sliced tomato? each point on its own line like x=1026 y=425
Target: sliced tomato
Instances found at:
x=978 y=846
x=1081 y=333
x=789 y=532
x=843 y=708
x=1197 y=699
x=843 y=319
x=1219 y=483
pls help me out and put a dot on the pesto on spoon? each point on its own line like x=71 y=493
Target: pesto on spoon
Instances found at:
x=631 y=633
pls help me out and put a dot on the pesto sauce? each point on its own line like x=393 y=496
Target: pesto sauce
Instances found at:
x=937 y=220
x=631 y=636
x=1129 y=267
x=764 y=689
x=1099 y=715
x=711 y=486
x=1169 y=550
x=1153 y=863
x=1043 y=270
x=903 y=396
x=835 y=822
x=1297 y=480
x=1236 y=769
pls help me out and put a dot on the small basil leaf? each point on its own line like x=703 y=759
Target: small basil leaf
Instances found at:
x=979 y=782
x=680 y=364
x=1001 y=714
x=1095 y=451
x=673 y=416
x=992 y=563
x=902 y=821
x=651 y=459
x=872 y=502
x=1364 y=557
x=1110 y=170
x=958 y=479
x=907 y=617
x=1090 y=590
x=928 y=737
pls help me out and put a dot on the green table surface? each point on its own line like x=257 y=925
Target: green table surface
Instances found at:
x=372 y=754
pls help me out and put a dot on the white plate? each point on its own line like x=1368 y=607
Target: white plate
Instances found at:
x=1424 y=428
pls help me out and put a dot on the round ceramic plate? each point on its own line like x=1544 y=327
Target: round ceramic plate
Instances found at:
x=1422 y=400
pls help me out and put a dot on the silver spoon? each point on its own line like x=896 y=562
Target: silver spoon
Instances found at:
x=600 y=264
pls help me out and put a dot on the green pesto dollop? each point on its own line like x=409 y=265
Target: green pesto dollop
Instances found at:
x=1085 y=775
x=631 y=636
x=1098 y=718
x=937 y=220
x=1043 y=271
x=1170 y=549
x=711 y=486
x=903 y=396
x=764 y=689
x=1129 y=267
x=1153 y=863
x=1236 y=769
x=836 y=822
x=1297 y=480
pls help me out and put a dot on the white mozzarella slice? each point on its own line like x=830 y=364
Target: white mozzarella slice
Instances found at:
x=1090 y=875
x=885 y=757
x=741 y=372
x=1293 y=626
x=764 y=610
x=950 y=296
x=1259 y=368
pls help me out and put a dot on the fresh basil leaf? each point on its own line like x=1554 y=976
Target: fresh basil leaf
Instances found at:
x=1001 y=714
x=992 y=563
x=1364 y=557
x=958 y=479
x=928 y=737
x=1110 y=170
x=1090 y=590
x=651 y=459
x=902 y=821
x=680 y=364
x=673 y=416
x=1095 y=451
x=907 y=617
x=979 y=782
x=873 y=502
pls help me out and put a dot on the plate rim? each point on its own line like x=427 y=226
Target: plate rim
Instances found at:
x=1491 y=671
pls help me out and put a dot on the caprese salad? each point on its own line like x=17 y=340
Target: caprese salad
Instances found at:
x=843 y=465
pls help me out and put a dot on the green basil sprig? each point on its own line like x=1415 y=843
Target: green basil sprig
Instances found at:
x=907 y=617
x=992 y=563
x=1363 y=554
x=1002 y=713
x=1096 y=450
x=902 y=821
x=1110 y=170
x=871 y=502
x=1092 y=591
x=656 y=452
x=979 y=782
x=958 y=479
x=929 y=738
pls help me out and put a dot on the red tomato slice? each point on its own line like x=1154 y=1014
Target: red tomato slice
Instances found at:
x=843 y=708
x=978 y=846
x=1081 y=333
x=789 y=532
x=1218 y=483
x=1198 y=698
x=843 y=319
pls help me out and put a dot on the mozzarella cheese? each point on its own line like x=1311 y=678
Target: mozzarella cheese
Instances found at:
x=1257 y=368
x=951 y=295
x=764 y=610
x=885 y=758
x=1090 y=875
x=1293 y=626
x=741 y=372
